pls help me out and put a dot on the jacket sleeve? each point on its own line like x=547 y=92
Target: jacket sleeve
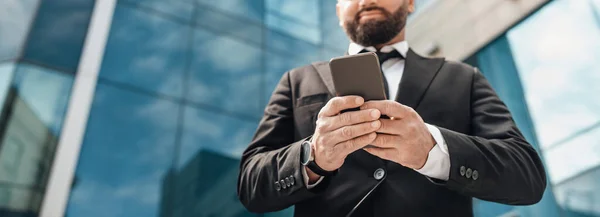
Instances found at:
x=270 y=177
x=494 y=163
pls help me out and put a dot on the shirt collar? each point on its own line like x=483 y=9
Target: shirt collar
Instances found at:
x=401 y=47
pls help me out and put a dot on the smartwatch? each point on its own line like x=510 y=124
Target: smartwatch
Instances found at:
x=307 y=158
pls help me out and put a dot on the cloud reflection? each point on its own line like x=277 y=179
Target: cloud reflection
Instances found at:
x=558 y=77
x=15 y=20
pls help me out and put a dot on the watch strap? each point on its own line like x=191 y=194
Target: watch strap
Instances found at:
x=320 y=171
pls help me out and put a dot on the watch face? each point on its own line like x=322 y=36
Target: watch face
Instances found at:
x=305 y=153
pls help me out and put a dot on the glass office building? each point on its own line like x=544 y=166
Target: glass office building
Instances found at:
x=172 y=93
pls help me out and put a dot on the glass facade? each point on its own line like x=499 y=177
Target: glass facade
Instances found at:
x=183 y=84
x=546 y=70
x=565 y=106
x=180 y=92
x=39 y=52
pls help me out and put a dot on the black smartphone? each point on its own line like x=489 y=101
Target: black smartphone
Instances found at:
x=359 y=75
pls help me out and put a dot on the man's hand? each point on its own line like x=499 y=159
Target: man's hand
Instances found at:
x=338 y=135
x=404 y=138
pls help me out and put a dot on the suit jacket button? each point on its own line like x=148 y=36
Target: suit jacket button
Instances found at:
x=468 y=173
x=283 y=184
x=277 y=186
x=475 y=175
x=292 y=180
x=379 y=174
x=462 y=170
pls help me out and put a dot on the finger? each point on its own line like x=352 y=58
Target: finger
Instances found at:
x=388 y=107
x=352 y=118
x=386 y=141
x=383 y=153
x=348 y=147
x=393 y=127
x=336 y=104
x=353 y=131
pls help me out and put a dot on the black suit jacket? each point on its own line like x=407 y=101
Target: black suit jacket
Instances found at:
x=476 y=125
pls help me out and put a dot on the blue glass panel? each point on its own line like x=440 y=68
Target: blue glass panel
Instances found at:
x=15 y=19
x=33 y=109
x=206 y=131
x=579 y=196
x=127 y=151
x=240 y=9
x=329 y=53
x=496 y=62
x=226 y=73
x=223 y=23
x=311 y=34
x=296 y=18
x=46 y=92
x=146 y=51
x=483 y=208
x=180 y=9
x=7 y=71
x=334 y=36
x=559 y=71
x=575 y=156
x=206 y=173
x=292 y=47
x=306 y=12
x=421 y=6
x=58 y=32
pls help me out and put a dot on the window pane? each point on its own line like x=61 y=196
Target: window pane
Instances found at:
x=203 y=189
x=334 y=36
x=223 y=23
x=127 y=150
x=146 y=51
x=579 y=196
x=296 y=18
x=560 y=82
x=222 y=134
x=57 y=35
x=328 y=54
x=19 y=200
x=306 y=11
x=181 y=9
x=421 y=5
x=239 y=9
x=7 y=71
x=574 y=157
x=15 y=19
x=32 y=114
x=226 y=73
x=292 y=47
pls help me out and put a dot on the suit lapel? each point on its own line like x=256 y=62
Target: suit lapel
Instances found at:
x=325 y=73
x=418 y=74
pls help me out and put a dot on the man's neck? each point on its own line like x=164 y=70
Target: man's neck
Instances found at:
x=398 y=38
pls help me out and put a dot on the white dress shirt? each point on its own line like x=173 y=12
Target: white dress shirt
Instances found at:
x=438 y=162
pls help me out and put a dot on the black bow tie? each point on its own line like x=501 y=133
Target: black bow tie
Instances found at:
x=385 y=56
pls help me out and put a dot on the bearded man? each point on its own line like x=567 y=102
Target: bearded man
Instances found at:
x=449 y=137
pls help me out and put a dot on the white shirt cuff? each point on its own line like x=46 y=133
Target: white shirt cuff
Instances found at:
x=438 y=161
x=306 y=179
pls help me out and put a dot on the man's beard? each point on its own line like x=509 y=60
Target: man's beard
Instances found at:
x=376 y=32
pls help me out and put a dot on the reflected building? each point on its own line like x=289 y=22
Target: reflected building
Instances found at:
x=202 y=189
x=181 y=86
x=26 y=151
